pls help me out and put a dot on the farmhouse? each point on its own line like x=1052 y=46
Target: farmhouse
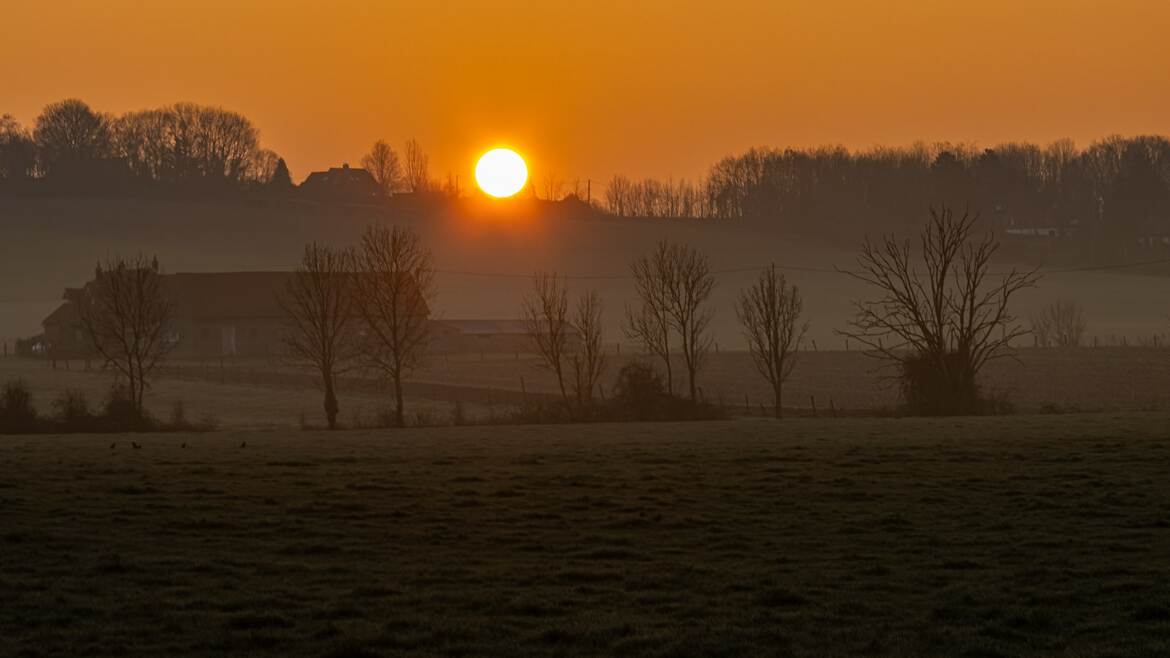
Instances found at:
x=215 y=314
x=342 y=183
x=238 y=314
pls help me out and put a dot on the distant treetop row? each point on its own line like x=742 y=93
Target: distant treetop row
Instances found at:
x=1117 y=190
x=180 y=148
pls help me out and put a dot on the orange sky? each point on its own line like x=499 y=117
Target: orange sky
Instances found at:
x=589 y=89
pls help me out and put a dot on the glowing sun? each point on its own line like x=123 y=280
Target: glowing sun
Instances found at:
x=501 y=172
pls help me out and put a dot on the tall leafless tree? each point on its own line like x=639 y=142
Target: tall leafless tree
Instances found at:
x=318 y=303
x=383 y=164
x=545 y=312
x=649 y=323
x=192 y=144
x=394 y=283
x=553 y=186
x=587 y=361
x=940 y=315
x=418 y=173
x=1061 y=324
x=70 y=132
x=769 y=314
x=126 y=313
x=263 y=167
x=689 y=289
x=674 y=284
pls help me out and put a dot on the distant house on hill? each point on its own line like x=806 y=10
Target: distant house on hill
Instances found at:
x=342 y=183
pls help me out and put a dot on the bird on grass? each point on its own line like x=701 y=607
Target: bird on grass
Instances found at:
x=136 y=446
x=244 y=444
x=113 y=445
x=183 y=446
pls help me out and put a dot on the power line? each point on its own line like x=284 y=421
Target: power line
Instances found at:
x=798 y=268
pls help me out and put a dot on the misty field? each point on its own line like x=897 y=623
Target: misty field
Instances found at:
x=967 y=537
x=262 y=394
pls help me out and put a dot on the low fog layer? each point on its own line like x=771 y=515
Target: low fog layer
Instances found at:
x=51 y=244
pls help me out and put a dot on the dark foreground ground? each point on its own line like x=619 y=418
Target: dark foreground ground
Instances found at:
x=985 y=537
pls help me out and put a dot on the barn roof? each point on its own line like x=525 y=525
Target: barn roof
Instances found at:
x=210 y=296
x=224 y=295
x=65 y=314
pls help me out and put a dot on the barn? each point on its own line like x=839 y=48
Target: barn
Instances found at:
x=215 y=314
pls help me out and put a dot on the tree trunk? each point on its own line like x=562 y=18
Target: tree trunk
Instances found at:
x=331 y=406
x=564 y=393
x=135 y=404
x=669 y=374
x=777 y=389
x=399 y=414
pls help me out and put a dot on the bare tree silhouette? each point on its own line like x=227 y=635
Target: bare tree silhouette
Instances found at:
x=554 y=186
x=942 y=324
x=769 y=313
x=126 y=314
x=1062 y=324
x=394 y=283
x=588 y=360
x=545 y=311
x=690 y=286
x=318 y=302
x=674 y=283
x=650 y=322
x=69 y=133
x=18 y=151
x=383 y=164
x=418 y=175
x=192 y=145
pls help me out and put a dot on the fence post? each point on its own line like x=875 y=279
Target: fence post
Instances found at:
x=813 y=400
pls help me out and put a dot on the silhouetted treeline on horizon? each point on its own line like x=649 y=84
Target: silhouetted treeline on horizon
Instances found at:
x=180 y=148
x=1112 y=198
x=1117 y=189
x=187 y=150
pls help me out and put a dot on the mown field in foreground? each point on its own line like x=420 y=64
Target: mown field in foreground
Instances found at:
x=1012 y=536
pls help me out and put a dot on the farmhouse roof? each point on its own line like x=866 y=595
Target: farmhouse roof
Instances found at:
x=206 y=295
x=65 y=314
x=209 y=296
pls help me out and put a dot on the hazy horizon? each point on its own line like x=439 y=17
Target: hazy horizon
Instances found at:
x=660 y=89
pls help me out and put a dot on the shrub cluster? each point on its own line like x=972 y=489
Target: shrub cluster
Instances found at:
x=72 y=414
x=638 y=395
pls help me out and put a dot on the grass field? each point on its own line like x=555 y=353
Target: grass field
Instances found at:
x=231 y=404
x=260 y=394
x=1085 y=379
x=1029 y=536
